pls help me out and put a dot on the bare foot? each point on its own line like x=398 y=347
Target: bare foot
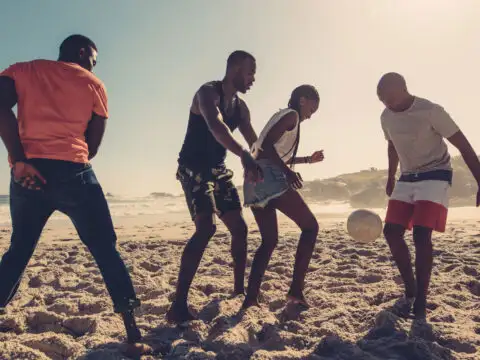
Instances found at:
x=297 y=298
x=249 y=303
x=420 y=309
x=179 y=314
x=237 y=292
x=133 y=332
x=136 y=350
x=133 y=335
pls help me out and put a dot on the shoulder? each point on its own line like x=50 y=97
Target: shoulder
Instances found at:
x=243 y=107
x=288 y=117
x=422 y=104
x=210 y=88
x=208 y=91
x=16 y=69
x=431 y=110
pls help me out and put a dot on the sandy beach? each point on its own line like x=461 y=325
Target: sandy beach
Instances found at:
x=62 y=310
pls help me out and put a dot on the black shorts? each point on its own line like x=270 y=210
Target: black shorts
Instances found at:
x=209 y=191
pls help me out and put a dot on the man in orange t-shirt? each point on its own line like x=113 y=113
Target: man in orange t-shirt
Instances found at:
x=62 y=112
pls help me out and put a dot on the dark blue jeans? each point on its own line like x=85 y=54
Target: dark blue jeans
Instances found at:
x=73 y=190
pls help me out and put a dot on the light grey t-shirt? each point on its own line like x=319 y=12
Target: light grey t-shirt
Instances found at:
x=418 y=136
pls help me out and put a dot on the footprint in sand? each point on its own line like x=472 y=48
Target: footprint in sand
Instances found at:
x=457 y=345
x=45 y=321
x=471 y=271
x=41 y=279
x=369 y=279
x=9 y=348
x=70 y=260
x=56 y=346
x=443 y=318
x=152 y=246
x=150 y=267
x=14 y=324
x=63 y=307
x=451 y=267
x=220 y=261
x=94 y=290
x=221 y=235
x=81 y=325
x=367 y=253
x=344 y=275
x=474 y=287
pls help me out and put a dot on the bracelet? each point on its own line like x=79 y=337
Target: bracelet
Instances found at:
x=308 y=159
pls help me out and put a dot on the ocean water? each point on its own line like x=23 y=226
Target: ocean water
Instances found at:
x=119 y=207
x=165 y=208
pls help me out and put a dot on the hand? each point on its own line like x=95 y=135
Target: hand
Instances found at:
x=317 y=156
x=27 y=176
x=253 y=172
x=390 y=186
x=294 y=179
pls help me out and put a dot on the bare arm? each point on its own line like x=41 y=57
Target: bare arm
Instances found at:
x=469 y=156
x=245 y=126
x=287 y=123
x=299 y=160
x=94 y=134
x=207 y=106
x=392 y=160
x=8 y=121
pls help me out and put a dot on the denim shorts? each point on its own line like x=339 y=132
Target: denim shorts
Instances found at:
x=274 y=184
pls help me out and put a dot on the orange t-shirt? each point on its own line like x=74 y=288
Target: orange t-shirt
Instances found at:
x=55 y=104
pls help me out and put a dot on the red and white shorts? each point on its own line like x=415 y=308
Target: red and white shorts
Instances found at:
x=421 y=203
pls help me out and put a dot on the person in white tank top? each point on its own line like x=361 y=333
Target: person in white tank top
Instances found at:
x=275 y=152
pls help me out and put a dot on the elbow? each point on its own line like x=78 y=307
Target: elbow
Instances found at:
x=92 y=154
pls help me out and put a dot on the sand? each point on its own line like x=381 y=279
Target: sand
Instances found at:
x=62 y=310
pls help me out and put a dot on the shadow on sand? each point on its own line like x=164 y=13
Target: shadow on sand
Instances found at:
x=238 y=336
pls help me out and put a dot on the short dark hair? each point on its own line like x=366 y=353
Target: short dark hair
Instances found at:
x=72 y=45
x=237 y=57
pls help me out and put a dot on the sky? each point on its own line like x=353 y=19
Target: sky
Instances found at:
x=153 y=56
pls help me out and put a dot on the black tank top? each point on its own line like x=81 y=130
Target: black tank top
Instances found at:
x=200 y=149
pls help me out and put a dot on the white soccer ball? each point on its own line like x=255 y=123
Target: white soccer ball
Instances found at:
x=364 y=225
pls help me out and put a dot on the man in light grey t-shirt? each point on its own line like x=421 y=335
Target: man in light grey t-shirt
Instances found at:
x=415 y=129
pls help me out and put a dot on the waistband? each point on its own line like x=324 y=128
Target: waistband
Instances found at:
x=439 y=175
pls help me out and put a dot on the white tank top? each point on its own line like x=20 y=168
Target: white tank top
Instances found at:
x=286 y=144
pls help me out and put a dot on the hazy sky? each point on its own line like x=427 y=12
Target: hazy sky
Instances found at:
x=153 y=55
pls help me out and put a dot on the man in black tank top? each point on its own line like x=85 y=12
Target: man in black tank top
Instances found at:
x=216 y=111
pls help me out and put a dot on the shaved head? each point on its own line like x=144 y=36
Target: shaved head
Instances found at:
x=392 y=91
x=391 y=80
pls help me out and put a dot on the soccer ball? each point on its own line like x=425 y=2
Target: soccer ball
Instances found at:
x=364 y=225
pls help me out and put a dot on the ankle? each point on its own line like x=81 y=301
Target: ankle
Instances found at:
x=179 y=304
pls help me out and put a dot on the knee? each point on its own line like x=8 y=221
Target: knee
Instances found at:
x=422 y=236
x=393 y=232
x=269 y=244
x=101 y=242
x=202 y=236
x=207 y=231
x=22 y=245
x=312 y=228
x=240 y=231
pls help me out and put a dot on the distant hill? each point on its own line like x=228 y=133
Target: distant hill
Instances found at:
x=366 y=188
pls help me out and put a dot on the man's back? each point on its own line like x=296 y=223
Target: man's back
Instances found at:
x=55 y=103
